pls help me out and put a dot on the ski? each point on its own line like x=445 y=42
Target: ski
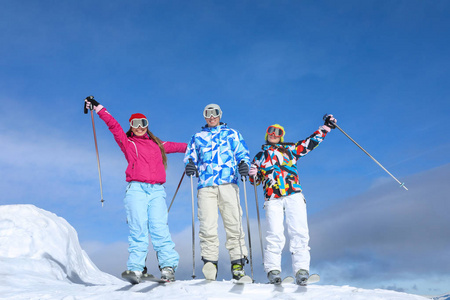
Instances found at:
x=133 y=279
x=288 y=279
x=314 y=278
x=150 y=277
x=243 y=280
x=209 y=271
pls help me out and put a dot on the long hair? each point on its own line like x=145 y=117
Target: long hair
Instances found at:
x=281 y=149
x=158 y=142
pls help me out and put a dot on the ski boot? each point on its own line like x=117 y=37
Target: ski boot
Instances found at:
x=301 y=278
x=168 y=274
x=274 y=277
x=134 y=277
x=237 y=270
x=210 y=270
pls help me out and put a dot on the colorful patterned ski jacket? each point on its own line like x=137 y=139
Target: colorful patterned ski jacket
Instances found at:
x=142 y=153
x=216 y=151
x=277 y=165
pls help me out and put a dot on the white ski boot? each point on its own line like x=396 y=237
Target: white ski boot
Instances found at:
x=274 y=277
x=168 y=274
x=301 y=278
x=133 y=277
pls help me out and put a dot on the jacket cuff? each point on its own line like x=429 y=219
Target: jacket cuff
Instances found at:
x=98 y=108
x=326 y=128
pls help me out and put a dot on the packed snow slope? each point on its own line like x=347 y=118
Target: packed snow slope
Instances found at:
x=41 y=258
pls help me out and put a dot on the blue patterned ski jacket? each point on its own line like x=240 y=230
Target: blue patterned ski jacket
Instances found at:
x=216 y=151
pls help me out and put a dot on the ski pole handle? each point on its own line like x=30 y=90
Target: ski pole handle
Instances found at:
x=85 y=108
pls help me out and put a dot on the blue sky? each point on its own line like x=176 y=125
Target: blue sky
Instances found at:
x=381 y=67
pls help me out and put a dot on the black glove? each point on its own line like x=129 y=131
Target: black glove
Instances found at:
x=90 y=103
x=243 y=168
x=190 y=168
x=330 y=121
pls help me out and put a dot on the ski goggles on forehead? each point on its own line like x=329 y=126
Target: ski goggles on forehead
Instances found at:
x=135 y=123
x=211 y=112
x=278 y=132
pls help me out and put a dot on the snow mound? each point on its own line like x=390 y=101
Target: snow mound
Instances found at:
x=35 y=241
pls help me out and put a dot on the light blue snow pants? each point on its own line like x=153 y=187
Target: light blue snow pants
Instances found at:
x=146 y=209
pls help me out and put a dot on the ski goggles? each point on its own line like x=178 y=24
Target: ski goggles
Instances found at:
x=275 y=131
x=135 y=123
x=211 y=112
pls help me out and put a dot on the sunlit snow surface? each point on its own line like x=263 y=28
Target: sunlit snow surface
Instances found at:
x=41 y=258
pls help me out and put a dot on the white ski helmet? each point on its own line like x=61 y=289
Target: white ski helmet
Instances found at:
x=212 y=110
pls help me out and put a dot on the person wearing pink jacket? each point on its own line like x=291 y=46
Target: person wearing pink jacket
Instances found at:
x=145 y=199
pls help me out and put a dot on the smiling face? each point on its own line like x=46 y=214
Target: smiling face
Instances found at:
x=273 y=139
x=139 y=131
x=212 y=121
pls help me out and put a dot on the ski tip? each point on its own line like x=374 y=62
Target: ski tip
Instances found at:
x=288 y=279
x=314 y=278
x=243 y=280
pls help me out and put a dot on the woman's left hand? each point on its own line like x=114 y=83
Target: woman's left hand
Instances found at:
x=253 y=171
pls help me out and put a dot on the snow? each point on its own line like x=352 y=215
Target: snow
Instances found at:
x=41 y=258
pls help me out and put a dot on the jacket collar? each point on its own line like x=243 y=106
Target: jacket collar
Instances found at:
x=144 y=137
x=269 y=146
x=218 y=127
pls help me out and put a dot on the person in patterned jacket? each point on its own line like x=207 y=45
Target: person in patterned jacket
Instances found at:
x=217 y=154
x=276 y=167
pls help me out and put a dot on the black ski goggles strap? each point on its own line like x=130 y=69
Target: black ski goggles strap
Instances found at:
x=135 y=123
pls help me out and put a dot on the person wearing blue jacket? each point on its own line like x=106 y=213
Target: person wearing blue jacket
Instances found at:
x=218 y=155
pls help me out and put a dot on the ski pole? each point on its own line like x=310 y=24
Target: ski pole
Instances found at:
x=248 y=227
x=181 y=180
x=259 y=222
x=193 y=229
x=96 y=148
x=401 y=184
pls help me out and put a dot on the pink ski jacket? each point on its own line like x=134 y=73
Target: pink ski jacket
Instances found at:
x=142 y=153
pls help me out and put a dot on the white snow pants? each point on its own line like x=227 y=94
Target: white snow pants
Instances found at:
x=225 y=198
x=294 y=208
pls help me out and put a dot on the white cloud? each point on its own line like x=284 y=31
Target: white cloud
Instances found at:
x=386 y=232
